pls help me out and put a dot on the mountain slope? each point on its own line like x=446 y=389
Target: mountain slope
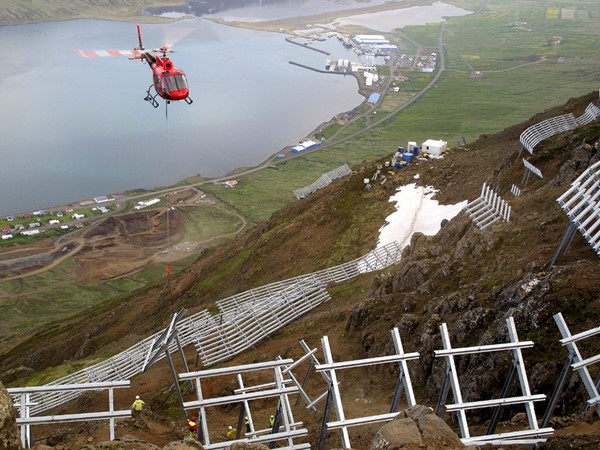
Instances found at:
x=470 y=279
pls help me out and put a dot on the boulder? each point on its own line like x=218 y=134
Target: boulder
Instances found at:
x=9 y=432
x=416 y=428
x=247 y=446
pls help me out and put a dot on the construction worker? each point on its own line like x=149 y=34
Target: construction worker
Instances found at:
x=231 y=433
x=192 y=427
x=137 y=406
x=247 y=423
x=271 y=421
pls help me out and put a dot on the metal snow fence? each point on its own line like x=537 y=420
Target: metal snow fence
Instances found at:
x=529 y=168
x=277 y=390
x=377 y=259
x=195 y=327
x=250 y=326
x=535 y=134
x=581 y=204
x=488 y=208
x=403 y=383
x=575 y=362
x=592 y=113
x=325 y=180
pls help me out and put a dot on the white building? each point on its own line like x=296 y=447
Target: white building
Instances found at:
x=434 y=147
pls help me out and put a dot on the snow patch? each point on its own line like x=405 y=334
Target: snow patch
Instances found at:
x=416 y=211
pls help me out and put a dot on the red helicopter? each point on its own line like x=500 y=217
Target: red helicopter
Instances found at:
x=168 y=81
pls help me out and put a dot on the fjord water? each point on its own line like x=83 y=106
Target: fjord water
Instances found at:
x=74 y=128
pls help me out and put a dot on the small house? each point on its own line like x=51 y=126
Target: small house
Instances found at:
x=7 y=236
x=54 y=221
x=77 y=216
x=434 y=147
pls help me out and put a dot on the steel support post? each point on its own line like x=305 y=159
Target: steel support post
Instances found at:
x=175 y=380
x=557 y=390
x=397 y=393
x=111 y=408
x=326 y=413
x=443 y=394
x=563 y=241
x=586 y=406
x=240 y=422
x=508 y=384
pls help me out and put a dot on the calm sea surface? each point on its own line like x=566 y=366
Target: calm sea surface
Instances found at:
x=74 y=128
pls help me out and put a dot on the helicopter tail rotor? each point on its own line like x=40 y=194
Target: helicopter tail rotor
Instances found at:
x=140 y=37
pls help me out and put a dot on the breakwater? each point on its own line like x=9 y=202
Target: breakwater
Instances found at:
x=291 y=41
x=294 y=63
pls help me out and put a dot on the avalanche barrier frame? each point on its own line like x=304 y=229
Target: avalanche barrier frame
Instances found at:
x=24 y=407
x=523 y=437
x=281 y=392
x=402 y=384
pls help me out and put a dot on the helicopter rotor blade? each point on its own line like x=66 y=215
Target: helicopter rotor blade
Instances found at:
x=172 y=35
x=105 y=53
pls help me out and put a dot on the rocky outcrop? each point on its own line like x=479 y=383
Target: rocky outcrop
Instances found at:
x=582 y=156
x=416 y=428
x=9 y=433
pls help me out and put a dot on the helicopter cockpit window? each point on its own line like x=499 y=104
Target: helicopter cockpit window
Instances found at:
x=174 y=82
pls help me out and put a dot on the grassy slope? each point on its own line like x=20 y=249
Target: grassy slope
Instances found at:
x=29 y=11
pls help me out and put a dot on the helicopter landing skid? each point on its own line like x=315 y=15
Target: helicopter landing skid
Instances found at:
x=151 y=98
